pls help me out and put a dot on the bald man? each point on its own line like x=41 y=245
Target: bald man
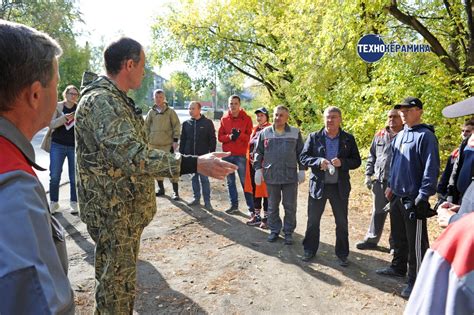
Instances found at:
x=376 y=176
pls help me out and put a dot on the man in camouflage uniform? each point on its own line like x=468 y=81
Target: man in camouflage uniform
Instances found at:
x=115 y=171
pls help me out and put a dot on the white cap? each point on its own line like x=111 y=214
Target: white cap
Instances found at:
x=461 y=108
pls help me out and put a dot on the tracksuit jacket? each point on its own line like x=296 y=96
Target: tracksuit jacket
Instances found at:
x=415 y=162
x=445 y=282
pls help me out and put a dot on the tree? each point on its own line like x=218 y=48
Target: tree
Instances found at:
x=57 y=19
x=143 y=95
x=449 y=29
x=303 y=52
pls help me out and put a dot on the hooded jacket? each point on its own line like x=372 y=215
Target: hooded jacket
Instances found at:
x=415 y=162
x=242 y=122
x=163 y=127
x=114 y=166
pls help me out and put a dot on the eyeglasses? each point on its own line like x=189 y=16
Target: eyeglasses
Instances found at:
x=73 y=94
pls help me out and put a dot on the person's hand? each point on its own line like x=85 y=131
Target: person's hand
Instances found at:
x=336 y=162
x=450 y=206
x=235 y=134
x=301 y=176
x=324 y=164
x=69 y=116
x=258 y=177
x=444 y=215
x=175 y=146
x=388 y=193
x=368 y=182
x=212 y=165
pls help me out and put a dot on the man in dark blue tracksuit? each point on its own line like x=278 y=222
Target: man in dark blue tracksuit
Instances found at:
x=413 y=179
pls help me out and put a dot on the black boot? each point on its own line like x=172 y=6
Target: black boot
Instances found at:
x=175 y=192
x=161 y=189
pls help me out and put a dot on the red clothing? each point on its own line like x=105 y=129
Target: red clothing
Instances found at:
x=242 y=122
x=12 y=159
x=260 y=190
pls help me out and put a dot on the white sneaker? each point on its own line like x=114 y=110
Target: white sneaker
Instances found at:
x=74 y=207
x=53 y=206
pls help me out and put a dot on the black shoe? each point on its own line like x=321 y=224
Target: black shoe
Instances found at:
x=208 y=207
x=366 y=245
x=272 y=237
x=175 y=196
x=160 y=192
x=389 y=271
x=195 y=202
x=288 y=239
x=232 y=209
x=406 y=292
x=308 y=255
x=342 y=261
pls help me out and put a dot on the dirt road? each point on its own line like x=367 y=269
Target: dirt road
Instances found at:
x=197 y=262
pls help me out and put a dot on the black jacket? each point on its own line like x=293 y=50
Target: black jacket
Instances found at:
x=198 y=137
x=314 y=151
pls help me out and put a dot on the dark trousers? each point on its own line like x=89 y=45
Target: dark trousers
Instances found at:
x=315 y=211
x=410 y=239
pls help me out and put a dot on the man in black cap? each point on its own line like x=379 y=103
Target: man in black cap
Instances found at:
x=413 y=178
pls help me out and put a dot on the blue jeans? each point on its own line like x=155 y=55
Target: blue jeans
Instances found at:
x=241 y=162
x=206 y=188
x=57 y=155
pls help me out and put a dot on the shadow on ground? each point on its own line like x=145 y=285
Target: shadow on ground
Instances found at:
x=361 y=269
x=155 y=294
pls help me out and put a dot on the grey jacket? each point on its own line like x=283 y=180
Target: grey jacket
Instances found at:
x=33 y=258
x=278 y=155
x=380 y=156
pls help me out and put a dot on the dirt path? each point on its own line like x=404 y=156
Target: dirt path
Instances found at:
x=196 y=262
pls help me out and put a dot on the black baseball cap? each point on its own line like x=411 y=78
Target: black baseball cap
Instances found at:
x=262 y=110
x=409 y=102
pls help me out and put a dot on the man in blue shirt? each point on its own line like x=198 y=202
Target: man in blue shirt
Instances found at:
x=413 y=179
x=330 y=153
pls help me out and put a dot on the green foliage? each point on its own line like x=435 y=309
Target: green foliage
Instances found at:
x=57 y=19
x=304 y=53
x=143 y=96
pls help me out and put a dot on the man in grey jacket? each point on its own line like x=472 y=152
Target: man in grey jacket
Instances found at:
x=378 y=165
x=33 y=255
x=276 y=162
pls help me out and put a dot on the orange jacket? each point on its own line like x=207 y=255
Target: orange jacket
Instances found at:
x=260 y=190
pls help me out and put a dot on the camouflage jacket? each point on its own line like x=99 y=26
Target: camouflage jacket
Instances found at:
x=115 y=169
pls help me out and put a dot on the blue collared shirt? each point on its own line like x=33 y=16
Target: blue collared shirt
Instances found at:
x=332 y=146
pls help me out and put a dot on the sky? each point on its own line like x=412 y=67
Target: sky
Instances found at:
x=105 y=20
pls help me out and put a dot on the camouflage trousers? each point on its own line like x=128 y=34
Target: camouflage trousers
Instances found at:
x=116 y=253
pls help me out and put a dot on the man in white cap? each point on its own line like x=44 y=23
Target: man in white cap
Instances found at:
x=446 y=277
x=449 y=212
